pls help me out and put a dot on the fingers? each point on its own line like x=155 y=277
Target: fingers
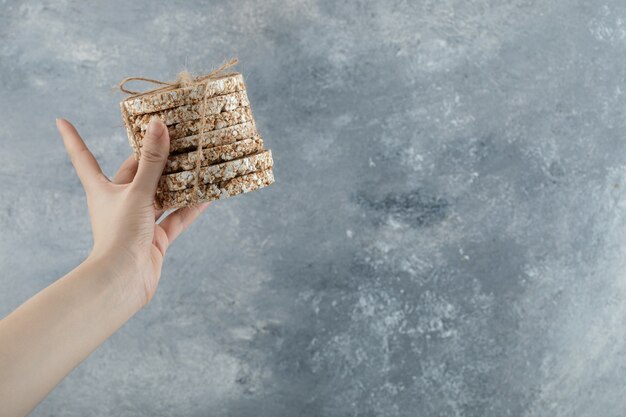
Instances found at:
x=154 y=153
x=158 y=214
x=177 y=222
x=160 y=240
x=85 y=164
x=126 y=171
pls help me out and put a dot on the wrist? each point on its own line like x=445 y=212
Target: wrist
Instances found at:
x=116 y=273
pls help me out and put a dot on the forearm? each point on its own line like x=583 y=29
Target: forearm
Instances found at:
x=51 y=333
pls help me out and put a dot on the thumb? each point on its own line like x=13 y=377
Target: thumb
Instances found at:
x=154 y=153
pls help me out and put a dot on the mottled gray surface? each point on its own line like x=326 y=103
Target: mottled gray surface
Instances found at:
x=446 y=236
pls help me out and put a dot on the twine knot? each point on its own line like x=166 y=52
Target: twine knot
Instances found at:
x=184 y=79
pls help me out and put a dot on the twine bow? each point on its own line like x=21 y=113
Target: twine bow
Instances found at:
x=184 y=79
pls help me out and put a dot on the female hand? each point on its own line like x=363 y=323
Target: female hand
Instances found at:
x=126 y=235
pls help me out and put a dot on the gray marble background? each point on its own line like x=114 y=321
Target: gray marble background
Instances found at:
x=446 y=236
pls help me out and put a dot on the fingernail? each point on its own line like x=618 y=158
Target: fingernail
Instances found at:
x=205 y=205
x=155 y=127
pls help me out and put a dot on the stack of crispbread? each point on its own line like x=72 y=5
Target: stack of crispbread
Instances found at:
x=233 y=160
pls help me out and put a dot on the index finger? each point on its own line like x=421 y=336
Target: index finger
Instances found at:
x=86 y=166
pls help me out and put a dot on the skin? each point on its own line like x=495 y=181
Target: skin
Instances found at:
x=46 y=337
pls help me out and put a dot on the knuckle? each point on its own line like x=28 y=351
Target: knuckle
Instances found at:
x=153 y=154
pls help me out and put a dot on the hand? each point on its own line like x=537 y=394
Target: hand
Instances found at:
x=126 y=234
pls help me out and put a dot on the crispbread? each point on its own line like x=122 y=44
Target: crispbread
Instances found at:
x=213 y=122
x=214 y=105
x=212 y=138
x=150 y=103
x=232 y=159
x=214 y=191
x=216 y=154
x=218 y=172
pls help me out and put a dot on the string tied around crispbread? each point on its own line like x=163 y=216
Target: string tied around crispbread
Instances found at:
x=184 y=79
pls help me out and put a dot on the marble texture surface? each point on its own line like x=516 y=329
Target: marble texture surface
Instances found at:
x=447 y=231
